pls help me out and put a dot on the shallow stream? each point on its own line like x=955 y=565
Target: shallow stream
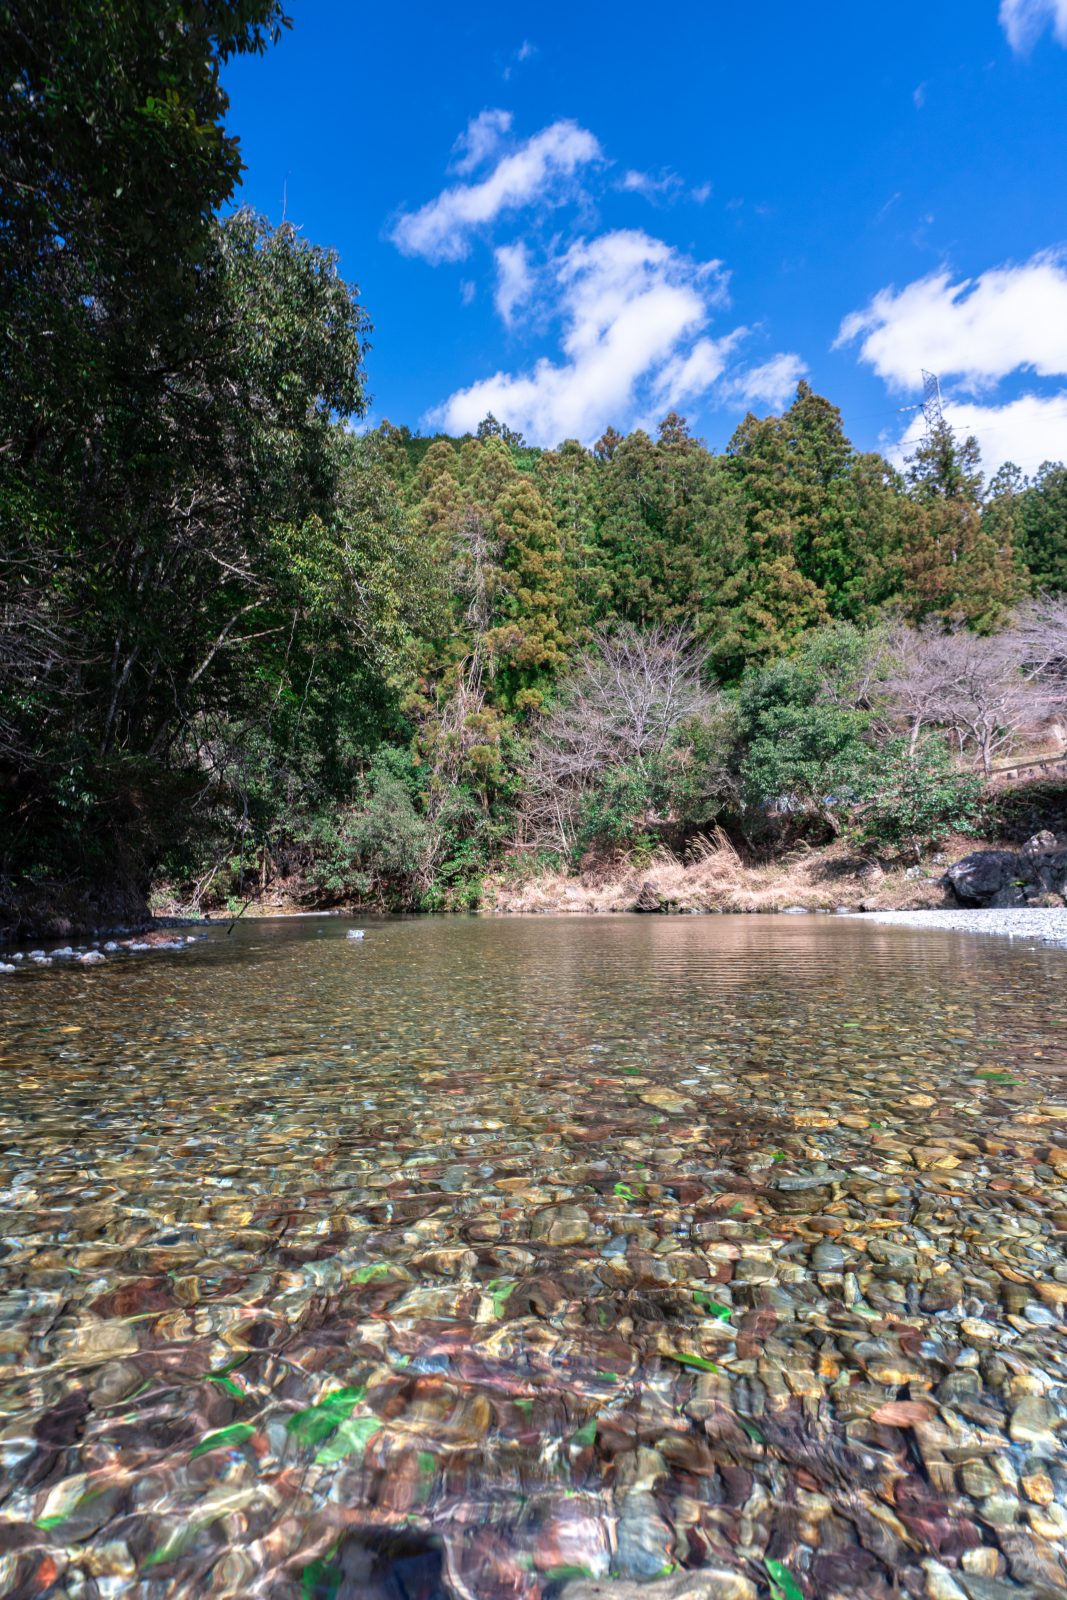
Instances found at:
x=483 y=1258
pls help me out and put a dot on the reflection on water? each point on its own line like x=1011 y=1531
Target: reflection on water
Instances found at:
x=485 y=1258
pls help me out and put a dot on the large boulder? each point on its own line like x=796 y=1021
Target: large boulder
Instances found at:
x=1042 y=844
x=1012 y=877
x=979 y=878
x=1050 y=872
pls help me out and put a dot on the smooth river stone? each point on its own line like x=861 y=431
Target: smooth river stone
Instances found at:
x=562 y=1225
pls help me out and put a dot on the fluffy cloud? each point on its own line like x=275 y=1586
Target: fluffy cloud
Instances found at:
x=534 y=172
x=772 y=384
x=1025 y=20
x=1028 y=431
x=628 y=304
x=690 y=374
x=632 y=311
x=977 y=330
x=515 y=279
x=480 y=139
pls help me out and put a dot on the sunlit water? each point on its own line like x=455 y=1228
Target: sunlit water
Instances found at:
x=481 y=1257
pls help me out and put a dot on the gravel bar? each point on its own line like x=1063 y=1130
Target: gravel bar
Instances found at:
x=1047 y=925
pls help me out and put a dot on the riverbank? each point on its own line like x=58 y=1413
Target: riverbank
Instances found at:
x=1044 y=924
x=713 y=877
x=716 y=878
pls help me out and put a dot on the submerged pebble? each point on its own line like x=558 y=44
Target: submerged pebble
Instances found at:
x=633 y=1261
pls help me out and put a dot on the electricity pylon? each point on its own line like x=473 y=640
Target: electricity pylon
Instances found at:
x=932 y=408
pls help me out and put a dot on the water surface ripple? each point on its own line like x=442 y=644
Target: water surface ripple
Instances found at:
x=486 y=1259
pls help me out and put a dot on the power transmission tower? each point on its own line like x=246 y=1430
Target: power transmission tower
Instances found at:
x=931 y=404
x=932 y=409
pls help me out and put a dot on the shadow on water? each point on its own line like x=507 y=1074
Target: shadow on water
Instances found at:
x=484 y=1259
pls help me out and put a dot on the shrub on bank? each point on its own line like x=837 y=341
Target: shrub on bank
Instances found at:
x=914 y=799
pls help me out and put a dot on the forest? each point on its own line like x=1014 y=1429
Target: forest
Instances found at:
x=246 y=639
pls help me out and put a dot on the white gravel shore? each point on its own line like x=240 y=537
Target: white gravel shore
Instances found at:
x=1046 y=925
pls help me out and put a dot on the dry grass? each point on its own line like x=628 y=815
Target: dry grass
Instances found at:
x=713 y=877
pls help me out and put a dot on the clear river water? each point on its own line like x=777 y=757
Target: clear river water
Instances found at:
x=517 y=1258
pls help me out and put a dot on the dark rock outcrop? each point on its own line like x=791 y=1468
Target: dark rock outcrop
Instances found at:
x=1005 y=878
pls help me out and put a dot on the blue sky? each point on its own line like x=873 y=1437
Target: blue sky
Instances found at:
x=582 y=215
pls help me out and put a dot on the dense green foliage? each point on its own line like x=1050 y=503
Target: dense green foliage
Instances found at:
x=911 y=798
x=241 y=643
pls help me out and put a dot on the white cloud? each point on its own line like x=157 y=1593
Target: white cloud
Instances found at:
x=701 y=194
x=690 y=374
x=652 y=188
x=1025 y=20
x=525 y=52
x=628 y=303
x=480 y=139
x=515 y=279
x=1028 y=431
x=977 y=330
x=467 y=291
x=535 y=171
x=773 y=383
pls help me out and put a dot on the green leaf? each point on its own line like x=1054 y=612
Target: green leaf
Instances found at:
x=499 y=1290
x=714 y=1308
x=225 y=1382
x=222 y=1438
x=173 y=1546
x=351 y=1439
x=699 y=1362
x=754 y=1433
x=318 y=1421
x=380 y=1269
x=586 y=1434
x=783 y=1584
x=221 y=1375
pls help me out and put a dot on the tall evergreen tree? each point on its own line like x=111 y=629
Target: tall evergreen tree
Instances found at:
x=570 y=479
x=536 y=604
x=767 y=600
x=834 y=511
x=1042 y=528
x=667 y=532
x=955 y=566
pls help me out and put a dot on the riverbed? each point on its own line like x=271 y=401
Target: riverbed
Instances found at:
x=486 y=1259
